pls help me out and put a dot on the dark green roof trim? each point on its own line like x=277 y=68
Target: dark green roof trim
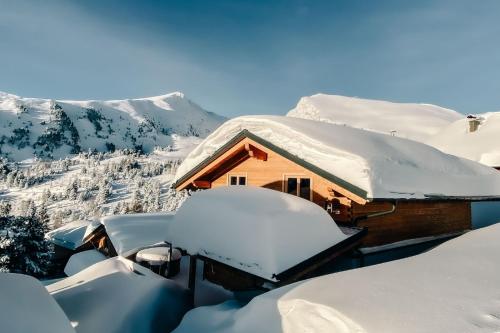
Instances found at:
x=247 y=134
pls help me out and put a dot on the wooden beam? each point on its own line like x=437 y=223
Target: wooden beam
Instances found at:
x=203 y=184
x=255 y=152
x=192 y=276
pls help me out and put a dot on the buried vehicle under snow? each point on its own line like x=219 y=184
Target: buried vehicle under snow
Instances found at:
x=251 y=238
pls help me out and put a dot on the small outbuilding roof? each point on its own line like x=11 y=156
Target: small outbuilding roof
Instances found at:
x=70 y=235
x=131 y=232
x=371 y=165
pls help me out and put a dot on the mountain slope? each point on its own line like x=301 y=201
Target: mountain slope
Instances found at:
x=482 y=145
x=53 y=129
x=408 y=120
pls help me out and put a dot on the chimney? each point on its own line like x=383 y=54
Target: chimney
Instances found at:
x=474 y=123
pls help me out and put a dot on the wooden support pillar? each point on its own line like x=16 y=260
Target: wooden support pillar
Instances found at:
x=192 y=276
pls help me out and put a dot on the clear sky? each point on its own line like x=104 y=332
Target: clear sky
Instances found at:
x=254 y=57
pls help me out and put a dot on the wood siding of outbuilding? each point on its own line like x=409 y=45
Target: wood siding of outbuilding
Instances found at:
x=412 y=219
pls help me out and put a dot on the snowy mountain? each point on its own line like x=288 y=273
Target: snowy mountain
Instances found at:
x=52 y=129
x=481 y=145
x=408 y=120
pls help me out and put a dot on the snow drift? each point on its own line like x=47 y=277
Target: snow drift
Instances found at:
x=260 y=231
x=382 y=165
x=453 y=288
x=119 y=296
x=482 y=145
x=406 y=120
x=81 y=260
x=25 y=306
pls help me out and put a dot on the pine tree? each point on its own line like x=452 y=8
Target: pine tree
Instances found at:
x=5 y=208
x=23 y=247
x=104 y=193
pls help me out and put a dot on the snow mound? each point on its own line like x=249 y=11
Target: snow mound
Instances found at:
x=79 y=261
x=53 y=129
x=131 y=232
x=119 y=296
x=382 y=165
x=482 y=146
x=257 y=230
x=25 y=306
x=453 y=288
x=408 y=120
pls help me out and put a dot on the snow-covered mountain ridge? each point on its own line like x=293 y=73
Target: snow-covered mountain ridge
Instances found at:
x=408 y=120
x=49 y=128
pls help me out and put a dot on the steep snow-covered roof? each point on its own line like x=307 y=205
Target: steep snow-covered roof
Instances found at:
x=257 y=230
x=26 y=306
x=453 y=288
x=134 y=231
x=408 y=120
x=118 y=296
x=482 y=145
x=382 y=165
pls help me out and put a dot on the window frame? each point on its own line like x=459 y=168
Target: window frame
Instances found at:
x=238 y=176
x=284 y=187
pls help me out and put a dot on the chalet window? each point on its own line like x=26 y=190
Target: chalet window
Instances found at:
x=237 y=180
x=298 y=186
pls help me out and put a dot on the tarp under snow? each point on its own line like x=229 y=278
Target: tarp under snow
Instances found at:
x=257 y=230
x=381 y=165
x=26 y=306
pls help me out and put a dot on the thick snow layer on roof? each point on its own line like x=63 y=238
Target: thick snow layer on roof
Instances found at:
x=81 y=260
x=408 y=120
x=453 y=288
x=119 y=296
x=260 y=231
x=69 y=235
x=131 y=232
x=26 y=306
x=382 y=165
x=482 y=145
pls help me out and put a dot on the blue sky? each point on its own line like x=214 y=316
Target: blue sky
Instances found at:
x=254 y=57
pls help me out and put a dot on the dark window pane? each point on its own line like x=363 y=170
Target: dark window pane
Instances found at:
x=243 y=181
x=305 y=188
x=291 y=186
x=233 y=180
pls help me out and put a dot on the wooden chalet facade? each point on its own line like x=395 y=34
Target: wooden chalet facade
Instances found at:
x=250 y=160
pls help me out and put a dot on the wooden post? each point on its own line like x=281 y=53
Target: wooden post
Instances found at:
x=192 y=276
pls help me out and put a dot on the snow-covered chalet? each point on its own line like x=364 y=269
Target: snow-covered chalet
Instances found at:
x=397 y=188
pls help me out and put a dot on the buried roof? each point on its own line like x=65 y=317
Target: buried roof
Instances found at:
x=256 y=230
x=482 y=145
x=377 y=166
